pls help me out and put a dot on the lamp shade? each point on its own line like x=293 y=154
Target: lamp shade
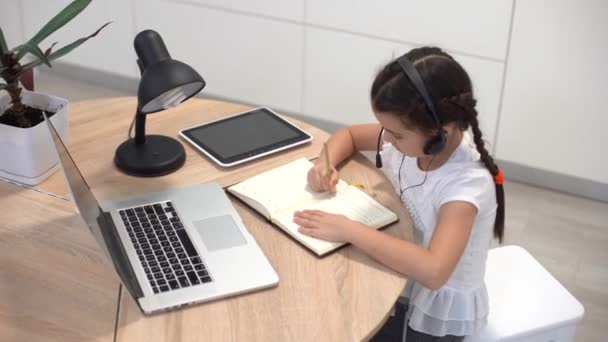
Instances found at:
x=166 y=84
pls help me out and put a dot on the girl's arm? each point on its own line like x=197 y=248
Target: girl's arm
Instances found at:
x=340 y=146
x=348 y=140
x=431 y=267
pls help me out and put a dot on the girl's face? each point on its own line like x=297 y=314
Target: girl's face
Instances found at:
x=408 y=141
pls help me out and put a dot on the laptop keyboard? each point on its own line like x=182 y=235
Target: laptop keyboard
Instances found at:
x=164 y=248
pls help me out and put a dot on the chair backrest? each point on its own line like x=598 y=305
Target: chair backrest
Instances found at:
x=526 y=301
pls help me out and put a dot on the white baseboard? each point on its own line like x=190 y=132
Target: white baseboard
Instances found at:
x=555 y=181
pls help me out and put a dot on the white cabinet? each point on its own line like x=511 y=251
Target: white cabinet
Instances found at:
x=556 y=92
x=476 y=27
x=242 y=57
x=110 y=51
x=340 y=68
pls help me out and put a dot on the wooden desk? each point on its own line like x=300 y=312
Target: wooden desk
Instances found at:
x=54 y=282
x=342 y=297
x=97 y=127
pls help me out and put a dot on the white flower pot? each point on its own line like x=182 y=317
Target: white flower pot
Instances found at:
x=27 y=155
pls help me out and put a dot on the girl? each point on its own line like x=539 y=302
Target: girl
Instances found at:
x=444 y=176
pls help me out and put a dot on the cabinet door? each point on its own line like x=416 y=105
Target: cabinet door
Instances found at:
x=475 y=27
x=556 y=92
x=279 y=9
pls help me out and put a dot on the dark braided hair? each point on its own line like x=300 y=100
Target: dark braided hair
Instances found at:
x=451 y=91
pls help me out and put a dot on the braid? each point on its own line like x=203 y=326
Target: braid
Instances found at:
x=461 y=108
x=488 y=161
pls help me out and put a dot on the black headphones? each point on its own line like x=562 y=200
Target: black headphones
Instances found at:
x=435 y=143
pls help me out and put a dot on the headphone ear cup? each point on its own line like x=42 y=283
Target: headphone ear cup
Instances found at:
x=436 y=144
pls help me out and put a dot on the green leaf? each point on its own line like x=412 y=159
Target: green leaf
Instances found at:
x=34 y=50
x=3 y=47
x=67 y=14
x=63 y=51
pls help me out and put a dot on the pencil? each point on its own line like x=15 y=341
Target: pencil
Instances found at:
x=326 y=159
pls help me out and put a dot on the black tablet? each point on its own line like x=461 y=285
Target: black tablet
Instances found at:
x=245 y=136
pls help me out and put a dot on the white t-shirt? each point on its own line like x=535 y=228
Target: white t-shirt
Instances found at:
x=460 y=307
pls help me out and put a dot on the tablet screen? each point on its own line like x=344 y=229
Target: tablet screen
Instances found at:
x=245 y=136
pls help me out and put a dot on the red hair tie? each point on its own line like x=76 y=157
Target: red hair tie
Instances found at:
x=499 y=178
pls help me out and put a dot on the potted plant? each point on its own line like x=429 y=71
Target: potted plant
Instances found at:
x=26 y=155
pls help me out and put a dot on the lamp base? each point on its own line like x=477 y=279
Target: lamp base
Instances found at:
x=159 y=155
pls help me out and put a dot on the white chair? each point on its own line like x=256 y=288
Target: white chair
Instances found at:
x=526 y=303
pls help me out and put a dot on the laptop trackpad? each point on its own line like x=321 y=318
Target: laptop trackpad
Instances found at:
x=219 y=232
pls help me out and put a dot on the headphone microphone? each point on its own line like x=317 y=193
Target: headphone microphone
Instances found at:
x=437 y=142
x=378 y=158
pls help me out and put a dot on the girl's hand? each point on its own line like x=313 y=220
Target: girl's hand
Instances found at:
x=319 y=181
x=324 y=226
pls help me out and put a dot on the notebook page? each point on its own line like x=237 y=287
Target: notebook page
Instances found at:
x=281 y=188
x=348 y=201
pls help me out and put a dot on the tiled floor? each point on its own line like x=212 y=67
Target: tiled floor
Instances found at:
x=567 y=234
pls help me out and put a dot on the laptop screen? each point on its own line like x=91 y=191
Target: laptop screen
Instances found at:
x=99 y=222
x=86 y=203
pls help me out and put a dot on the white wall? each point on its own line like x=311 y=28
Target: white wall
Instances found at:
x=242 y=57
x=110 y=51
x=10 y=22
x=554 y=114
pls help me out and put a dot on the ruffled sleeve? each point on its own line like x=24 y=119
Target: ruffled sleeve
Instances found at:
x=447 y=311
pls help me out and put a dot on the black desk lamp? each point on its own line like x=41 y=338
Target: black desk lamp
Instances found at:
x=164 y=83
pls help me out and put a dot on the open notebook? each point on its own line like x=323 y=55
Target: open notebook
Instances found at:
x=278 y=193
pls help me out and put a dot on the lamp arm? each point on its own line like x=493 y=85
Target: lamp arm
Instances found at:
x=140 y=127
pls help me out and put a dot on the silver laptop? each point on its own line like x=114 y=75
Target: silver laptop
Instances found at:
x=171 y=248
